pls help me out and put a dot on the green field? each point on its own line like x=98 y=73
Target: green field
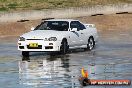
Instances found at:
x=13 y=5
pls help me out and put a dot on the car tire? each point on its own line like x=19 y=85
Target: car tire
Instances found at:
x=91 y=44
x=64 y=47
x=25 y=53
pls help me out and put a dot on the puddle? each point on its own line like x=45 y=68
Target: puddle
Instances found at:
x=111 y=59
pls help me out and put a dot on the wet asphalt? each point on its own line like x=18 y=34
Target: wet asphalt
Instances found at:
x=111 y=59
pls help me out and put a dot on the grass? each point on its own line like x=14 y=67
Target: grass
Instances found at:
x=3 y=9
x=11 y=5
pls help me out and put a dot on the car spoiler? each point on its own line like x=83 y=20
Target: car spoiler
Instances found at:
x=90 y=25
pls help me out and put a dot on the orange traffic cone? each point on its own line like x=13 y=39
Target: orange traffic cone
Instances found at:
x=84 y=81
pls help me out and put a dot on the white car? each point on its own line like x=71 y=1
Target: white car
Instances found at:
x=58 y=35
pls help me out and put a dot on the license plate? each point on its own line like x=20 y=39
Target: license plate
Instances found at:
x=33 y=45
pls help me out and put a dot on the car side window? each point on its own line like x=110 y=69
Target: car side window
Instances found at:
x=77 y=24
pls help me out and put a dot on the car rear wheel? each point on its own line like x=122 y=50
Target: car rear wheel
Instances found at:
x=25 y=53
x=90 y=44
x=64 y=47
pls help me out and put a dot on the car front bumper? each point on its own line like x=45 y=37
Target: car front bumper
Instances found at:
x=42 y=45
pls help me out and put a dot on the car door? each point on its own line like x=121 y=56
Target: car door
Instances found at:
x=76 y=35
x=82 y=31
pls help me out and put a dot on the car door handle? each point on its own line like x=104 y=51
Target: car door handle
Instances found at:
x=81 y=33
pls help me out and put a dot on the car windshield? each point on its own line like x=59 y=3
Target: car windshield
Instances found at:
x=53 y=25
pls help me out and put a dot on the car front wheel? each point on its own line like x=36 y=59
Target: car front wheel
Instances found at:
x=64 y=47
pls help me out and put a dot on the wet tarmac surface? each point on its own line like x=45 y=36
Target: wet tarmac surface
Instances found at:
x=111 y=59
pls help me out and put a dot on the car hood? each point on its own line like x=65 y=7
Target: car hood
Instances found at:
x=42 y=34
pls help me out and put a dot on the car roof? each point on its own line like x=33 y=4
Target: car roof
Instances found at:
x=61 y=20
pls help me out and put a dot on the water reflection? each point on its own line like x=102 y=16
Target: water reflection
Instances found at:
x=62 y=71
x=46 y=72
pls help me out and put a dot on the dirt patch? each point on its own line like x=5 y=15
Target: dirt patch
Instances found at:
x=16 y=28
x=108 y=23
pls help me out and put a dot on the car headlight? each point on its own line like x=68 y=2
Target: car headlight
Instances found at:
x=52 y=39
x=21 y=39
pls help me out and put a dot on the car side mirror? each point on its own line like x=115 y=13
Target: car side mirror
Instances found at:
x=32 y=28
x=74 y=29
